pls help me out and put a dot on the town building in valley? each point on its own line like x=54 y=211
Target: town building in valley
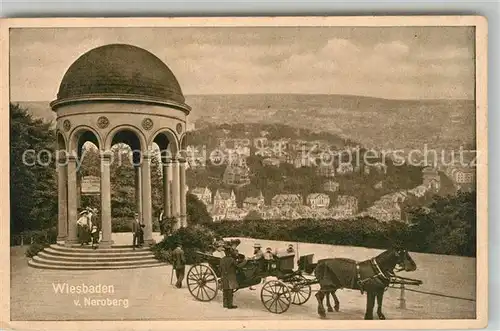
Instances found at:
x=224 y=200
x=203 y=194
x=286 y=200
x=254 y=203
x=331 y=186
x=348 y=202
x=318 y=200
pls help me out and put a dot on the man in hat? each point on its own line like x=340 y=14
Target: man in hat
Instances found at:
x=234 y=246
x=219 y=249
x=290 y=249
x=257 y=255
x=136 y=231
x=179 y=264
x=257 y=252
x=269 y=256
x=228 y=267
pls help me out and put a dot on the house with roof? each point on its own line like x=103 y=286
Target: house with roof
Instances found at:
x=254 y=203
x=348 y=202
x=224 y=199
x=203 y=194
x=286 y=200
x=318 y=200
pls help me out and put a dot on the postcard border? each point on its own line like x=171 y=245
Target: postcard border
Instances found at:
x=480 y=24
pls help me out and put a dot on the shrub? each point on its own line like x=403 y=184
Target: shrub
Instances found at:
x=121 y=224
x=193 y=238
x=35 y=248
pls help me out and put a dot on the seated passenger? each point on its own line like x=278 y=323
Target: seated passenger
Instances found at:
x=257 y=252
x=269 y=255
x=219 y=250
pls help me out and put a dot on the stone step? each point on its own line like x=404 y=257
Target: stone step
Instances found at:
x=54 y=255
x=93 y=263
x=42 y=265
x=72 y=253
x=89 y=250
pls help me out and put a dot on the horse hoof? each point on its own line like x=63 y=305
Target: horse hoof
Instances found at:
x=321 y=313
x=368 y=317
x=330 y=309
x=381 y=317
x=337 y=308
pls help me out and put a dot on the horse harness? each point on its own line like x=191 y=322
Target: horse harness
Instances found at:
x=379 y=274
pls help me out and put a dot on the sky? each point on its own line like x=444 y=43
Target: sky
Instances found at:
x=390 y=62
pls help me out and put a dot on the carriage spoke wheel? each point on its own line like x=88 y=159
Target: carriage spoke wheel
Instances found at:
x=202 y=282
x=300 y=290
x=275 y=296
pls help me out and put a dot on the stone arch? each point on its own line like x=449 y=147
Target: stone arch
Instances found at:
x=88 y=134
x=183 y=141
x=126 y=128
x=167 y=141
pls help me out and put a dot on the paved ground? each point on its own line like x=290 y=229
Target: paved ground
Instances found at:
x=147 y=294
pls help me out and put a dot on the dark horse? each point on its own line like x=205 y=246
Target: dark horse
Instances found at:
x=372 y=276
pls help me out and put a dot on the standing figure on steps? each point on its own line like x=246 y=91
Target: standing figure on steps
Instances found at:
x=179 y=264
x=136 y=231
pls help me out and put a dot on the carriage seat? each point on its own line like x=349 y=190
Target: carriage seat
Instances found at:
x=306 y=264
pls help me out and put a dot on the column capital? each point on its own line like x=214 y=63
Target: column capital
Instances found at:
x=146 y=155
x=71 y=158
x=106 y=155
x=61 y=160
x=182 y=160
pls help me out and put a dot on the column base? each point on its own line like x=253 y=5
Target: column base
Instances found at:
x=61 y=238
x=183 y=221
x=177 y=223
x=149 y=242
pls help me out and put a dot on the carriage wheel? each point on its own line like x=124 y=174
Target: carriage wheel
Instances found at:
x=202 y=282
x=301 y=291
x=275 y=296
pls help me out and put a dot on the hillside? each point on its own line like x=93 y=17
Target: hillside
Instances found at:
x=373 y=122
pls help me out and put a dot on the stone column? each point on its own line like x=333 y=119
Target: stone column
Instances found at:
x=62 y=193
x=182 y=183
x=79 y=190
x=147 y=217
x=176 y=198
x=167 y=183
x=72 y=204
x=106 y=241
x=138 y=190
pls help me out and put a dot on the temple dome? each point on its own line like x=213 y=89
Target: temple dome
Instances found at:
x=120 y=72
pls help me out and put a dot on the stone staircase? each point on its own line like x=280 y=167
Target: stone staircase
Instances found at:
x=62 y=257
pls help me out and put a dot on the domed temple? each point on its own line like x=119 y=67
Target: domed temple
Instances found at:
x=120 y=94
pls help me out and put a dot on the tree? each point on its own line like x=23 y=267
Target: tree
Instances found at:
x=253 y=215
x=446 y=226
x=196 y=211
x=33 y=188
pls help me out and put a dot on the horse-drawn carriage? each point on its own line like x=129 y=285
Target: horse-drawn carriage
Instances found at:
x=294 y=286
x=289 y=287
